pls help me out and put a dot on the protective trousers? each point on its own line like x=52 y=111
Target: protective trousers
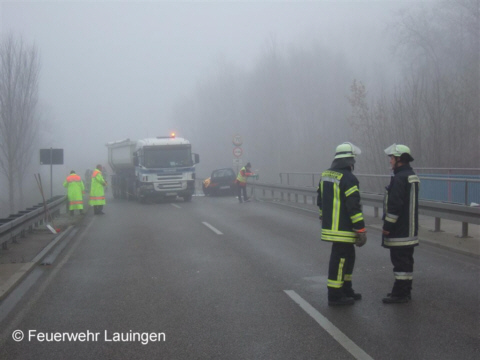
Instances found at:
x=240 y=190
x=340 y=269
x=402 y=260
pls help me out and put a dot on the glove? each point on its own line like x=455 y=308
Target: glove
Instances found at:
x=361 y=239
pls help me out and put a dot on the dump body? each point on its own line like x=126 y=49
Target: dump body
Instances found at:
x=152 y=168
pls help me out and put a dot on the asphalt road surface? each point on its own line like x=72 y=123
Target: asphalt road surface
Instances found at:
x=215 y=279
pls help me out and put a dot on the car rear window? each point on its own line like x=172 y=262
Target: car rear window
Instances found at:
x=223 y=173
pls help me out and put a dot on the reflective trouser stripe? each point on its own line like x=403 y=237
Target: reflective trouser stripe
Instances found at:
x=348 y=277
x=403 y=275
x=338 y=283
x=335 y=284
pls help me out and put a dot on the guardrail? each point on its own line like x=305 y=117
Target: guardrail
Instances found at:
x=438 y=210
x=451 y=189
x=25 y=220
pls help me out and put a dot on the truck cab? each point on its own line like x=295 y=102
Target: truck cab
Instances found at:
x=165 y=168
x=153 y=168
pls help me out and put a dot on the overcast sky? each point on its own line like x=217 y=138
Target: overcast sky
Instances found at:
x=113 y=69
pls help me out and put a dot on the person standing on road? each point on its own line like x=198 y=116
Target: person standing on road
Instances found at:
x=400 y=222
x=75 y=191
x=242 y=182
x=342 y=223
x=97 y=191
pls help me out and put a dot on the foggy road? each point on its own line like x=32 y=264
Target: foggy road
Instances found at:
x=215 y=279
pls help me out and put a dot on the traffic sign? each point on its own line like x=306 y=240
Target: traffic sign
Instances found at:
x=51 y=156
x=237 y=140
x=237 y=162
x=237 y=152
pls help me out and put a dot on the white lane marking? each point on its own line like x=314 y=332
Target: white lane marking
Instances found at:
x=341 y=338
x=177 y=206
x=216 y=231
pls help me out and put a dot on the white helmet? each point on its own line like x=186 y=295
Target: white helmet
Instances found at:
x=398 y=150
x=347 y=149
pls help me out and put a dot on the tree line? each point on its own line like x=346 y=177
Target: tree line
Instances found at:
x=296 y=105
x=435 y=108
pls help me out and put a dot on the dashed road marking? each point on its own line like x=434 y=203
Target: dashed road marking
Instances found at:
x=216 y=231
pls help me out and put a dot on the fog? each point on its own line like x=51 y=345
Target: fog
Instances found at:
x=112 y=70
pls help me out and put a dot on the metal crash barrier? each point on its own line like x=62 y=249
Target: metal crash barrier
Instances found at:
x=25 y=220
x=438 y=210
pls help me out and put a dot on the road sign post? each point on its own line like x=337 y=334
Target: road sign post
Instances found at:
x=51 y=157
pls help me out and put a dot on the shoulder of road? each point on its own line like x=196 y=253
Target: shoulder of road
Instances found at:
x=24 y=253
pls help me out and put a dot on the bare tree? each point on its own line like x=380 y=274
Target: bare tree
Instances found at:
x=19 y=71
x=435 y=109
x=443 y=45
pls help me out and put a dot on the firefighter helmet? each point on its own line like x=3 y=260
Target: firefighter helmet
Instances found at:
x=399 y=150
x=346 y=150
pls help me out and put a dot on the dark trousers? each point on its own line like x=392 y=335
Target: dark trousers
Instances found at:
x=97 y=209
x=241 y=189
x=402 y=260
x=340 y=269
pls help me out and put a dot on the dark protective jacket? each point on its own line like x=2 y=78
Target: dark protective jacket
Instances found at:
x=400 y=209
x=339 y=203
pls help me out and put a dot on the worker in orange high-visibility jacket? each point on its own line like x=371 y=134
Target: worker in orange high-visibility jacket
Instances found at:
x=75 y=191
x=97 y=191
x=241 y=182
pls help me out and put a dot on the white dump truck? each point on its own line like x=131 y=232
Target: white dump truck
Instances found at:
x=152 y=168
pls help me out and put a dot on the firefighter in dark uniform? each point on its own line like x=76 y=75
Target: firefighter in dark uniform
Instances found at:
x=400 y=222
x=342 y=223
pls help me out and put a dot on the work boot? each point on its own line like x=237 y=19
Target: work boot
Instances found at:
x=354 y=295
x=341 y=301
x=349 y=292
x=396 y=299
x=409 y=296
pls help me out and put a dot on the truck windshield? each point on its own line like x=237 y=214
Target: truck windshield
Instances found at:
x=167 y=157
